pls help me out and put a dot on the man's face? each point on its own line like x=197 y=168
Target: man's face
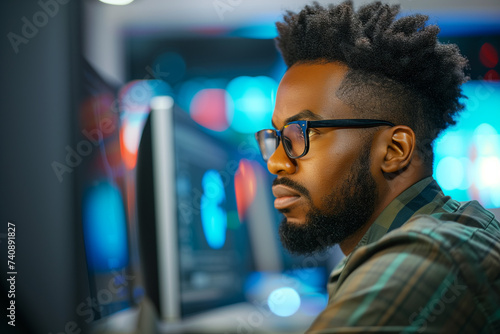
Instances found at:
x=330 y=193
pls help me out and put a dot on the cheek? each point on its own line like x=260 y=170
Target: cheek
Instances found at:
x=328 y=167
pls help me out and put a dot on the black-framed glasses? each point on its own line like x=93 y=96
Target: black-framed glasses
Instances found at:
x=295 y=135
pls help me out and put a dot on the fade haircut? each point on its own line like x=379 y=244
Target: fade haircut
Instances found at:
x=398 y=70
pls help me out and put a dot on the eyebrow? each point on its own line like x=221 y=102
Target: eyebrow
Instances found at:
x=303 y=115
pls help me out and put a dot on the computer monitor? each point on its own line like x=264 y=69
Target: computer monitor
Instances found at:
x=467 y=155
x=102 y=198
x=195 y=244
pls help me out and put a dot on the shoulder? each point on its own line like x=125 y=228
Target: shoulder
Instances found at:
x=470 y=236
x=427 y=275
x=469 y=250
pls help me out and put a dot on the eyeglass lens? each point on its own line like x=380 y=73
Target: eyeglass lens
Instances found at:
x=268 y=141
x=292 y=137
x=293 y=140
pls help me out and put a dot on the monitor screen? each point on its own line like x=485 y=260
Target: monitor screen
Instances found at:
x=467 y=155
x=194 y=242
x=104 y=215
x=214 y=249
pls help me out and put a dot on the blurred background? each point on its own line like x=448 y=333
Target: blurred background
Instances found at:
x=131 y=175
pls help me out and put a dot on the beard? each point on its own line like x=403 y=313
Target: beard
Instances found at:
x=348 y=209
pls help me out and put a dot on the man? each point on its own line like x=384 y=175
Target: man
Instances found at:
x=363 y=97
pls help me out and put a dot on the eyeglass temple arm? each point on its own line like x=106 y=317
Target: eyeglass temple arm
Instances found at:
x=349 y=122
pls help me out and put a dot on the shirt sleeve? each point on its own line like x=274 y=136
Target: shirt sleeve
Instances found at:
x=405 y=283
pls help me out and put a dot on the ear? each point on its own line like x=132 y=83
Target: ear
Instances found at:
x=399 y=148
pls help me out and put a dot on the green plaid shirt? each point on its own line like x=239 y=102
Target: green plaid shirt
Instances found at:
x=428 y=264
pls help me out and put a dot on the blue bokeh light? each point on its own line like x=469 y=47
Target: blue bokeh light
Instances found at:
x=252 y=103
x=105 y=227
x=213 y=215
x=450 y=173
x=467 y=156
x=284 y=302
x=257 y=31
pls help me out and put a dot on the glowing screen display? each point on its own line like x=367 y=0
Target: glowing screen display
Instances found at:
x=214 y=250
x=105 y=227
x=213 y=215
x=467 y=156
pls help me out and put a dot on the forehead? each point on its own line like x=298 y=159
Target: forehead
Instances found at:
x=310 y=87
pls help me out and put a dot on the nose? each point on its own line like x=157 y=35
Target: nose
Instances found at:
x=279 y=163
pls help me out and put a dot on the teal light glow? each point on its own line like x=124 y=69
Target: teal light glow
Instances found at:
x=284 y=302
x=486 y=140
x=452 y=143
x=450 y=173
x=257 y=31
x=252 y=103
x=467 y=156
x=213 y=215
x=105 y=227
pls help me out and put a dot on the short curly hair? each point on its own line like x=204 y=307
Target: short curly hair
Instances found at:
x=397 y=67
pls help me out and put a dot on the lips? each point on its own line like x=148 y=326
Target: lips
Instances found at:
x=285 y=197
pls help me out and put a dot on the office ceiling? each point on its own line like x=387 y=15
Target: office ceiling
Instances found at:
x=106 y=25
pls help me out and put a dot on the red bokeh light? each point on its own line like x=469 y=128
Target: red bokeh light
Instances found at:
x=245 y=184
x=208 y=108
x=488 y=55
x=129 y=156
x=492 y=75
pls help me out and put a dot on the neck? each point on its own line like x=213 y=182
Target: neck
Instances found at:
x=350 y=243
x=390 y=191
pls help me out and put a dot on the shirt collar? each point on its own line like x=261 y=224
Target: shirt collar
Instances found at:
x=424 y=197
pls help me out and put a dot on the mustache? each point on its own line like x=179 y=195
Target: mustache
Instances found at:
x=293 y=185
